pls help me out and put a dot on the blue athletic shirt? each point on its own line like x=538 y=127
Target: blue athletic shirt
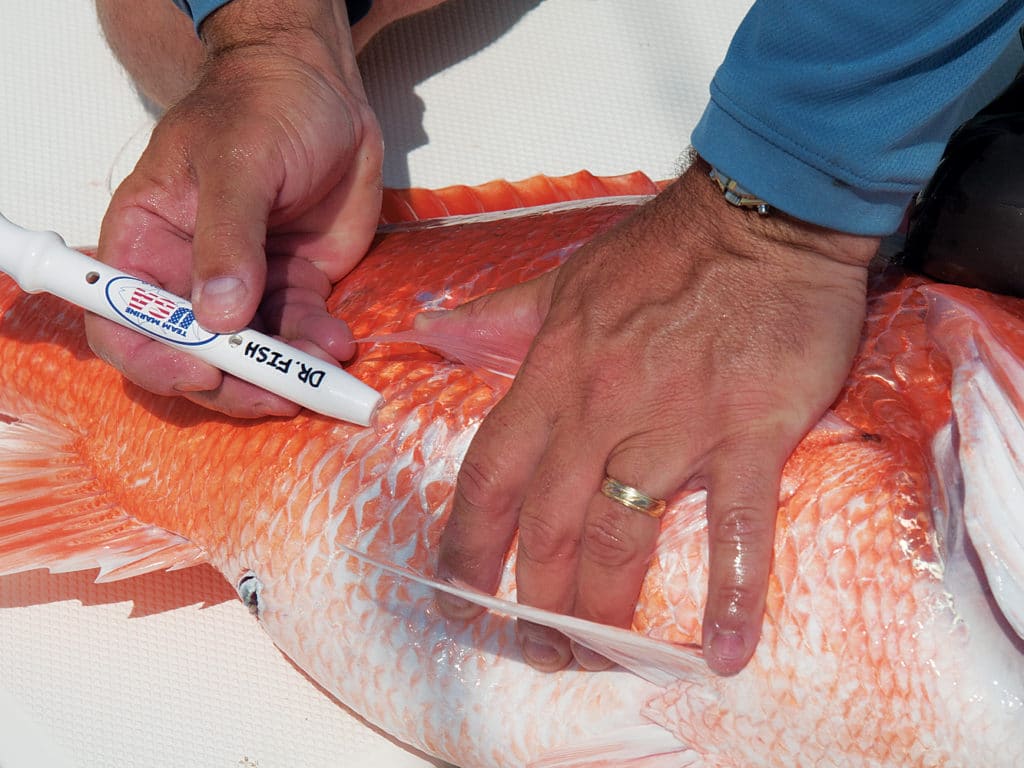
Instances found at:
x=198 y=10
x=837 y=112
x=833 y=111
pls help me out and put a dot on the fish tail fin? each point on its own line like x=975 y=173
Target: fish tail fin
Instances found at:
x=659 y=662
x=55 y=515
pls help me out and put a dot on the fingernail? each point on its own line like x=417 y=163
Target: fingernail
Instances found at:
x=221 y=295
x=540 y=654
x=455 y=607
x=590 y=660
x=729 y=647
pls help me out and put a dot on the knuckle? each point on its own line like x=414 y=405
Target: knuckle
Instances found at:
x=608 y=539
x=457 y=558
x=477 y=485
x=742 y=526
x=543 y=541
x=737 y=601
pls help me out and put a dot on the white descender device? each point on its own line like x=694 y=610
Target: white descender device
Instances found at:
x=41 y=261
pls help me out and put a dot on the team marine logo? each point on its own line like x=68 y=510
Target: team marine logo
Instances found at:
x=151 y=310
x=170 y=319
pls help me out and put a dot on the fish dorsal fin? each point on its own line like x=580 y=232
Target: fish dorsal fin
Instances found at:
x=404 y=205
x=53 y=515
x=658 y=662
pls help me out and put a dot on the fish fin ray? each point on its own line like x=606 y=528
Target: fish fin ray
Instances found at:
x=488 y=358
x=405 y=205
x=656 y=661
x=53 y=515
x=987 y=438
x=639 y=746
x=991 y=452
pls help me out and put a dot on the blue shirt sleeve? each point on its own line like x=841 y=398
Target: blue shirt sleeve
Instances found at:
x=198 y=10
x=837 y=112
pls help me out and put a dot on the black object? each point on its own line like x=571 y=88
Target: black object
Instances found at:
x=357 y=9
x=967 y=226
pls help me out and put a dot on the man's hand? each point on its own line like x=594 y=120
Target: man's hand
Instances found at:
x=691 y=347
x=258 y=189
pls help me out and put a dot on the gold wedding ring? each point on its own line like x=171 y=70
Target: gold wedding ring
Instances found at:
x=628 y=496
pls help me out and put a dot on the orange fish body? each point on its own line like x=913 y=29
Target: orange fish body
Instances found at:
x=891 y=636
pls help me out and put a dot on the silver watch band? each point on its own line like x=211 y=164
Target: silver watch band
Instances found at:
x=737 y=195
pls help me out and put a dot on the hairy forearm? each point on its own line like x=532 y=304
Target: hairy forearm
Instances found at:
x=315 y=32
x=156 y=45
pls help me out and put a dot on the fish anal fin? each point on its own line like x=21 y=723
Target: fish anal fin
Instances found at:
x=54 y=516
x=641 y=746
x=658 y=662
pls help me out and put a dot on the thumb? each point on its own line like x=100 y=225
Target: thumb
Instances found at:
x=229 y=266
x=493 y=331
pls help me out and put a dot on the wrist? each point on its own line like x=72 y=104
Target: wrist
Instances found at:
x=775 y=227
x=315 y=32
x=244 y=23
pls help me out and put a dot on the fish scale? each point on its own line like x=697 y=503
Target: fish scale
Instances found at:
x=883 y=645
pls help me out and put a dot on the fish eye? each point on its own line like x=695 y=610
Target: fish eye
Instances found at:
x=249 y=589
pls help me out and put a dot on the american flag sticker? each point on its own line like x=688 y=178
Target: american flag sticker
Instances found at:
x=156 y=312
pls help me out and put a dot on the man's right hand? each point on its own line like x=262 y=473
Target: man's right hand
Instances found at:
x=258 y=190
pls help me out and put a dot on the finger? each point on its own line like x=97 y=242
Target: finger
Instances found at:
x=500 y=461
x=488 y=494
x=345 y=220
x=618 y=542
x=284 y=271
x=242 y=400
x=147 y=363
x=298 y=314
x=131 y=235
x=743 y=492
x=162 y=370
x=548 y=556
x=236 y=192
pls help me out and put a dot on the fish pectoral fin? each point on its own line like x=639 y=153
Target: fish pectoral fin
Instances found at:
x=492 y=359
x=657 y=661
x=53 y=514
x=986 y=406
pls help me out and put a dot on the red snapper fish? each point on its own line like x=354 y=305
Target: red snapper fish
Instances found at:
x=894 y=618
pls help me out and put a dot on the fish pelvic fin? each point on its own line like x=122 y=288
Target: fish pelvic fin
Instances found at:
x=656 y=661
x=54 y=515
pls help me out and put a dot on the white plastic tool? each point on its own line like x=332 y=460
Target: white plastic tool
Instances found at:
x=41 y=261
